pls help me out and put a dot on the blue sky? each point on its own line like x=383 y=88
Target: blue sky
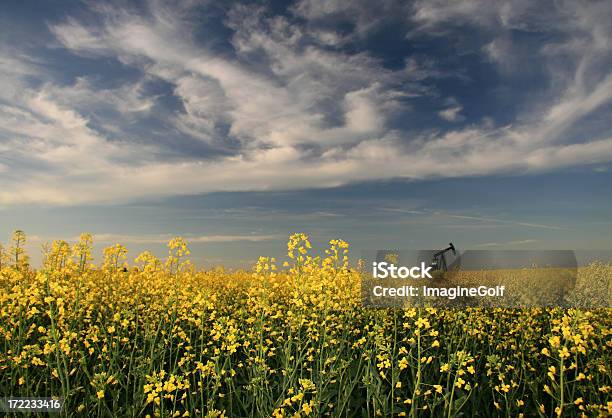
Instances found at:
x=388 y=124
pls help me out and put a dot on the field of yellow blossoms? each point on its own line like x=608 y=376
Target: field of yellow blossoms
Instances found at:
x=158 y=338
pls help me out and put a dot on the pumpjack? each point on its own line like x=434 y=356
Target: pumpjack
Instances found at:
x=438 y=262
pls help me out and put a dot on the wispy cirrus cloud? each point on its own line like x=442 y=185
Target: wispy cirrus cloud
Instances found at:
x=288 y=102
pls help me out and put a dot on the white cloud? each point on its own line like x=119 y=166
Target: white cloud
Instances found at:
x=79 y=39
x=437 y=15
x=452 y=114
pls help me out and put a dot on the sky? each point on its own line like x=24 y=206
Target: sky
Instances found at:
x=389 y=124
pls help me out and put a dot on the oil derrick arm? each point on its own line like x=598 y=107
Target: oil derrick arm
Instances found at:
x=439 y=258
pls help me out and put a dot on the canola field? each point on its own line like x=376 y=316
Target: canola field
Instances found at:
x=160 y=338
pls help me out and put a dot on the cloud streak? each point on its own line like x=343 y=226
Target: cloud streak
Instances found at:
x=507 y=243
x=503 y=221
x=164 y=238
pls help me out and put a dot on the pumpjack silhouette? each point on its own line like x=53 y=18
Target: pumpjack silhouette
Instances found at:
x=438 y=262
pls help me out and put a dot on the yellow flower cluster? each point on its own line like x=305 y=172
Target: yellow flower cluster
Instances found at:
x=159 y=338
